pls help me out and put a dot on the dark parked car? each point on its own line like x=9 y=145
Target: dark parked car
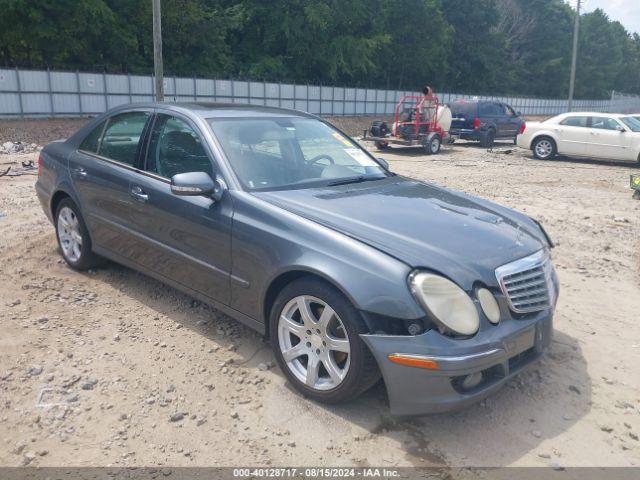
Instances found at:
x=484 y=121
x=286 y=224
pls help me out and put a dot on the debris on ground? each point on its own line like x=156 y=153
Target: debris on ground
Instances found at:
x=9 y=148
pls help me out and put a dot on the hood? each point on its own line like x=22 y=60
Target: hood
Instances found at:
x=462 y=237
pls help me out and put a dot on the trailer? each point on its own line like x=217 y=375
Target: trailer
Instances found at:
x=419 y=121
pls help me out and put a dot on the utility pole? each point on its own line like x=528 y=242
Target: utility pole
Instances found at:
x=157 y=51
x=572 y=81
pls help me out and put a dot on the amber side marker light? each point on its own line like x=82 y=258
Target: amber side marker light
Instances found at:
x=412 y=361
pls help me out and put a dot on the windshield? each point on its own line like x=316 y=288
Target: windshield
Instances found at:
x=282 y=153
x=632 y=122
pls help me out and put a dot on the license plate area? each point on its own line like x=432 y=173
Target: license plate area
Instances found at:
x=521 y=342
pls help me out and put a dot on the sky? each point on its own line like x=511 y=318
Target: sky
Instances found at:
x=627 y=12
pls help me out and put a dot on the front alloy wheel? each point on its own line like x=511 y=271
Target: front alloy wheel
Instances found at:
x=314 y=343
x=315 y=334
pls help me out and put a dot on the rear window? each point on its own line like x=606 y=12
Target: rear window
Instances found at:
x=491 y=109
x=574 y=121
x=91 y=143
x=462 y=108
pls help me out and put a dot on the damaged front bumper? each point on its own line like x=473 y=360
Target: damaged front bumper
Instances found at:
x=463 y=371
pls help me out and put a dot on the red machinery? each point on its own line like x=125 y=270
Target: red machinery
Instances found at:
x=415 y=122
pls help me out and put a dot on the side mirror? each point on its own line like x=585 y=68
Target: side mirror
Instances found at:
x=620 y=128
x=384 y=163
x=195 y=184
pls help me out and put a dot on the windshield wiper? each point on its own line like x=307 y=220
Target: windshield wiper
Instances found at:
x=356 y=179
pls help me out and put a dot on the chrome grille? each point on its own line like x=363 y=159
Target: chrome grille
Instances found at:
x=527 y=283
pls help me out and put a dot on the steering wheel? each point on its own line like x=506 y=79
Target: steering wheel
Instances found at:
x=317 y=158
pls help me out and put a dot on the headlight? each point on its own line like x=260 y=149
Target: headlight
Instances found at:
x=489 y=305
x=446 y=301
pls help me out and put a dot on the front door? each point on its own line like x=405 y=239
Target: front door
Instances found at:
x=188 y=239
x=511 y=122
x=607 y=141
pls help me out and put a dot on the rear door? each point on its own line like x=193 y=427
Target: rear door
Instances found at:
x=607 y=141
x=491 y=114
x=573 y=135
x=101 y=170
x=186 y=239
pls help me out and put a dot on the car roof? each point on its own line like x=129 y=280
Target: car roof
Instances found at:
x=222 y=110
x=594 y=114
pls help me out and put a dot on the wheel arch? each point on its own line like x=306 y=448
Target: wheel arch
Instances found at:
x=539 y=135
x=56 y=198
x=282 y=279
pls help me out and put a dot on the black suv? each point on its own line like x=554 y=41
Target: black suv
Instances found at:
x=484 y=121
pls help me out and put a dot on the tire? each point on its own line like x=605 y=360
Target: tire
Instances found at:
x=488 y=140
x=73 y=237
x=356 y=370
x=432 y=146
x=544 y=148
x=382 y=145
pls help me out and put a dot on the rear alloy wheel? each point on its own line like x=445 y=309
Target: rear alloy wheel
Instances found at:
x=315 y=337
x=433 y=145
x=73 y=237
x=544 y=148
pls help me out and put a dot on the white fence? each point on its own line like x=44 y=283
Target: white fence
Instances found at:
x=44 y=93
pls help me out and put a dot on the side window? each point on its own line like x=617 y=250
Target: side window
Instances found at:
x=574 y=122
x=122 y=136
x=485 y=109
x=509 y=111
x=91 y=143
x=176 y=148
x=604 y=123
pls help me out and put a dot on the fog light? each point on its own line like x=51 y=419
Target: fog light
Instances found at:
x=471 y=381
x=489 y=305
x=414 y=329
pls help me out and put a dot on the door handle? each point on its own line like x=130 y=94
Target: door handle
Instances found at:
x=79 y=172
x=139 y=194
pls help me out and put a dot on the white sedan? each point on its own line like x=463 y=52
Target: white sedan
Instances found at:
x=584 y=134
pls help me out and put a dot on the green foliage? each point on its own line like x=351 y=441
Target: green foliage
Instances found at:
x=477 y=46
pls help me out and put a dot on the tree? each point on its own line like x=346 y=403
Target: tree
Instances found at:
x=603 y=44
x=476 y=62
x=518 y=47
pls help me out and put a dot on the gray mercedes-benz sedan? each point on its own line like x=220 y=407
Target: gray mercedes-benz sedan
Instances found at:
x=285 y=223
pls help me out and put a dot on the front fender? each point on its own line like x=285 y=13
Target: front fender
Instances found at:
x=269 y=241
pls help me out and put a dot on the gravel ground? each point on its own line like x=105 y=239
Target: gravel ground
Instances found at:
x=110 y=367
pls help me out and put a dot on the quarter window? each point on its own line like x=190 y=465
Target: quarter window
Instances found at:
x=574 y=121
x=176 y=148
x=604 y=123
x=122 y=137
x=91 y=143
